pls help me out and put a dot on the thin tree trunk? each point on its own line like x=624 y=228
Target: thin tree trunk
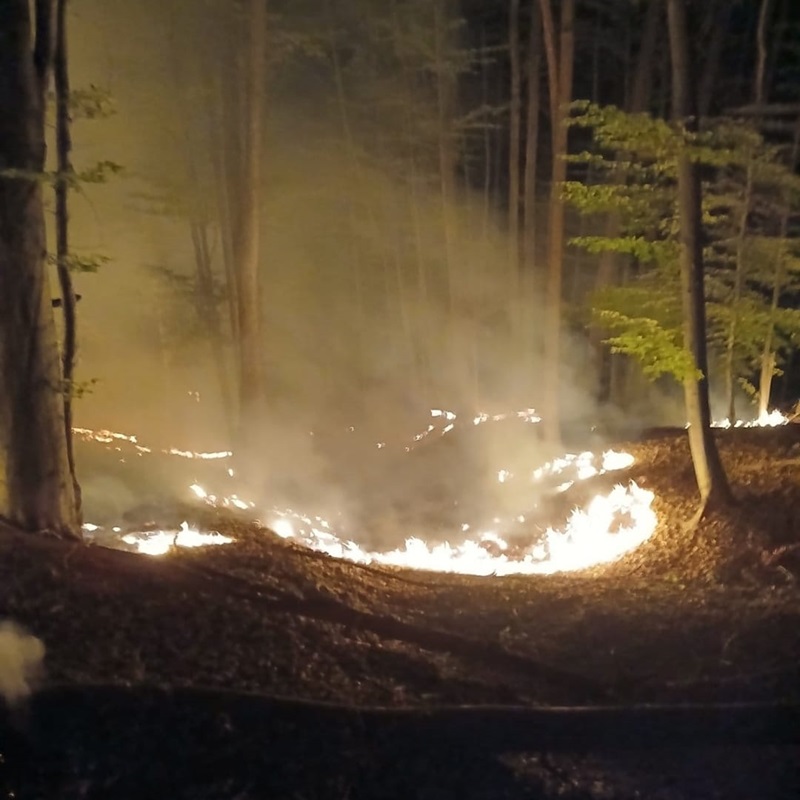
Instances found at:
x=514 y=129
x=252 y=375
x=768 y=355
x=65 y=173
x=609 y=267
x=528 y=260
x=487 y=146
x=711 y=479
x=560 y=67
x=738 y=284
x=747 y=201
x=226 y=211
x=36 y=485
x=532 y=138
x=446 y=97
x=208 y=313
x=720 y=13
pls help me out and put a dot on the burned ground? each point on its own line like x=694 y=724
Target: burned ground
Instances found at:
x=147 y=658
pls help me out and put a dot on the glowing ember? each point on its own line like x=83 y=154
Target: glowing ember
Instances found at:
x=156 y=543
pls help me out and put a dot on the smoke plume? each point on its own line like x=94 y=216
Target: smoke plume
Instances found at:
x=21 y=658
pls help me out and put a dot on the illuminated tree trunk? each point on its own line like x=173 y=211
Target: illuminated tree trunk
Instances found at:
x=65 y=173
x=534 y=64
x=711 y=479
x=514 y=148
x=559 y=68
x=36 y=486
x=528 y=260
x=719 y=15
x=741 y=235
x=247 y=240
x=768 y=355
x=612 y=370
x=446 y=88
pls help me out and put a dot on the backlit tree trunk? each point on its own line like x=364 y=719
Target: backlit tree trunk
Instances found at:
x=514 y=147
x=612 y=370
x=747 y=203
x=247 y=240
x=711 y=479
x=559 y=67
x=65 y=173
x=768 y=355
x=36 y=487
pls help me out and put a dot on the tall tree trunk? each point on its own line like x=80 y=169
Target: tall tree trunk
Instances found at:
x=528 y=261
x=719 y=20
x=534 y=64
x=514 y=130
x=747 y=201
x=768 y=355
x=446 y=104
x=610 y=265
x=252 y=375
x=65 y=173
x=560 y=68
x=208 y=313
x=711 y=479
x=36 y=486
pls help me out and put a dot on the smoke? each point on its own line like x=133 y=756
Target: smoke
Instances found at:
x=381 y=300
x=21 y=660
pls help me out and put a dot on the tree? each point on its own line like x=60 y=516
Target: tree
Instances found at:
x=744 y=215
x=64 y=176
x=36 y=487
x=560 y=52
x=246 y=243
x=711 y=479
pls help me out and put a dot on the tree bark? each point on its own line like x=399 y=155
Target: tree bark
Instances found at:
x=560 y=69
x=515 y=110
x=747 y=201
x=252 y=374
x=610 y=265
x=65 y=173
x=528 y=313
x=36 y=486
x=711 y=479
x=768 y=355
x=720 y=15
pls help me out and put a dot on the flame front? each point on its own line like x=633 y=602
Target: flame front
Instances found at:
x=610 y=525
x=156 y=543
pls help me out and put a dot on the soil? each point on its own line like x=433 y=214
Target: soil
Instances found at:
x=261 y=669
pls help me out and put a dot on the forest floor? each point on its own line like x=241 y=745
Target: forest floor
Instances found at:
x=262 y=669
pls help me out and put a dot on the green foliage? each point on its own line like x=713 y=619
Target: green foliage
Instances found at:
x=656 y=348
x=746 y=187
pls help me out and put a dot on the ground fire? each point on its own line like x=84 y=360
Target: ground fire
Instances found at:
x=612 y=523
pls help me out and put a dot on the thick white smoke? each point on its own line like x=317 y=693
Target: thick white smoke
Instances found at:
x=21 y=657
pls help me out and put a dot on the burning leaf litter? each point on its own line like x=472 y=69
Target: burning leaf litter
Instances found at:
x=771 y=419
x=607 y=528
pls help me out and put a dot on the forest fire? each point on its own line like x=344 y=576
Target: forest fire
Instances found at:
x=607 y=527
x=611 y=524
